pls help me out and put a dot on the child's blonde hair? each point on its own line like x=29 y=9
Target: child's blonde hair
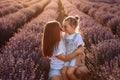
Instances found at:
x=72 y=21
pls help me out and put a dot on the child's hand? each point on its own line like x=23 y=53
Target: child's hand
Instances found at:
x=79 y=50
x=78 y=63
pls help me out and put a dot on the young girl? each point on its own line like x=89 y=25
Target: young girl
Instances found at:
x=53 y=48
x=73 y=41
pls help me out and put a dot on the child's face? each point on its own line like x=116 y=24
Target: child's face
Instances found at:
x=67 y=28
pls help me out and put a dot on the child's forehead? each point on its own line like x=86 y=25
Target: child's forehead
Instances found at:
x=65 y=23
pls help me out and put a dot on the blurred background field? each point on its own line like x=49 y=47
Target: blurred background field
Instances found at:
x=21 y=30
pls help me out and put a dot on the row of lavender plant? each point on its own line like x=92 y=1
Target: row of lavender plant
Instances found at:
x=106 y=60
x=10 y=9
x=24 y=59
x=26 y=0
x=10 y=23
x=4 y=1
x=107 y=1
x=28 y=3
x=108 y=20
x=93 y=33
x=15 y=6
x=114 y=24
x=104 y=13
x=108 y=8
x=5 y=4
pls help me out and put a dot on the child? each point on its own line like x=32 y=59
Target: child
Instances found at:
x=73 y=41
x=53 y=47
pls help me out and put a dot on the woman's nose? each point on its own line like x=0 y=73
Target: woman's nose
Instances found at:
x=63 y=29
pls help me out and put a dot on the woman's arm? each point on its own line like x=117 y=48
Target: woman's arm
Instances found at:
x=70 y=56
x=66 y=58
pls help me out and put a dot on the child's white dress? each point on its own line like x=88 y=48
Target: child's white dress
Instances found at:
x=71 y=43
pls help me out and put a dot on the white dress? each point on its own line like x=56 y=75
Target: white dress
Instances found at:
x=71 y=43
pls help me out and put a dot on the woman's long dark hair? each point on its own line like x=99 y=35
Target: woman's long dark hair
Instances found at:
x=51 y=38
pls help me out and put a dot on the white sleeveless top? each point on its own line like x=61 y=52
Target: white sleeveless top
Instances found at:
x=55 y=62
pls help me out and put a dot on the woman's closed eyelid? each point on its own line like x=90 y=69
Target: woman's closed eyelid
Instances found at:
x=60 y=29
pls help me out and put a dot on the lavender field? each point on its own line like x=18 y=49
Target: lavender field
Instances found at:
x=21 y=30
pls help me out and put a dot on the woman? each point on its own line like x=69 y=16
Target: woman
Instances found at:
x=53 y=47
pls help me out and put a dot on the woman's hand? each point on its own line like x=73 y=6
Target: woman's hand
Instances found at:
x=78 y=61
